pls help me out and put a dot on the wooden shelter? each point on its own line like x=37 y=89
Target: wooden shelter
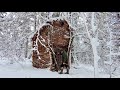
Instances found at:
x=48 y=42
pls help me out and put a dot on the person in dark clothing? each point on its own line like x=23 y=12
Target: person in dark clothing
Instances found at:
x=64 y=62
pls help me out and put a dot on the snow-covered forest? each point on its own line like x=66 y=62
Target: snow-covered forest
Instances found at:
x=95 y=47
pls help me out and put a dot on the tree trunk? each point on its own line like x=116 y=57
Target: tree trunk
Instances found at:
x=35 y=18
x=96 y=57
x=26 y=48
x=93 y=41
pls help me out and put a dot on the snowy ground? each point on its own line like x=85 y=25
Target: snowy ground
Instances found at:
x=25 y=70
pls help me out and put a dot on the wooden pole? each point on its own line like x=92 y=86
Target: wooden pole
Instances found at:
x=51 y=50
x=69 y=49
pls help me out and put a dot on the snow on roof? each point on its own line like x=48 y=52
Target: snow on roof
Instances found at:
x=57 y=18
x=63 y=18
x=51 y=19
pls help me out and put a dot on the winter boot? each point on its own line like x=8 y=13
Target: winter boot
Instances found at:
x=61 y=72
x=67 y=70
